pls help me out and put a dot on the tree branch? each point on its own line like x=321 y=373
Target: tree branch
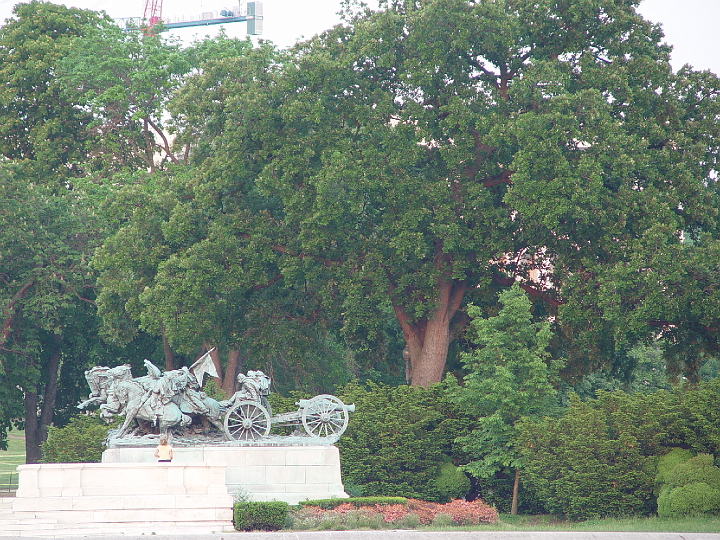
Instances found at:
x=285 y=251
x=530 y=289
x=502 y=178
x=272 y=280
x=165 y=145
x=8 y=311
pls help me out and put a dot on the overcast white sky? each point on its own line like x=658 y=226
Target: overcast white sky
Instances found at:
x=691 y=26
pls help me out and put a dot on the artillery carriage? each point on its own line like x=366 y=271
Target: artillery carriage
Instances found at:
x=323 y=416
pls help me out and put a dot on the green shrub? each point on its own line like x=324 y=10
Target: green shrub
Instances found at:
x=398 y=439
x=699 y=469
x=81 y=441
x=689 y=500
x=599 y=459
x=451 y=483
x=357 y=502
x=668 y=462
x=688 y=487
x=353 y=490
x=212 y=390
x=260 y=516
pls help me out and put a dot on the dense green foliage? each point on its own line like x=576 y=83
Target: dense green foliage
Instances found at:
x=667 y=463
x=689 y=486
x=452 y=483
x=509 y=376
x=689 y=500
x=124 y=78
x=614 y=455
x=46 y=240
x=597 y=459
x=39 y=122
x=49 y=228
x=327 y=504
x=82 y=440
x=381 y=169
x=260 y=516
x=314 y=211
x=699 y=468
x=398 y=440
x=384 y=161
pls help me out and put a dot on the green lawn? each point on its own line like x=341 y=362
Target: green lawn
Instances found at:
x=10 y=459
x=709 y=524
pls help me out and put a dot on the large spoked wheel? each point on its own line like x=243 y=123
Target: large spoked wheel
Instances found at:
x=325 y=416
x=247 y=421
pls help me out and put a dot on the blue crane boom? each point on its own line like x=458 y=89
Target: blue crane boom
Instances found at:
x=152 y=16
x=254 y=19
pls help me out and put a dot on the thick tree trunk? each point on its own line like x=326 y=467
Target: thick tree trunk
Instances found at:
x=234 y=366
x=37 y=421
x=428 y=339
x=516 y=487
x=50 y=393
x=215 y=355
x=169 y=356
x=32 y=433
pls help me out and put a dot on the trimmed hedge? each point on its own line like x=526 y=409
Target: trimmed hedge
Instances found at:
x=689 y=500
x=357 y=502
x=260 y=516
x=81 y=441
x=625 y=454
x=398 y=440
x=600 y=458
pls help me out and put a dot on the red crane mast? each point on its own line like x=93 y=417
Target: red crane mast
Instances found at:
x=152 y=12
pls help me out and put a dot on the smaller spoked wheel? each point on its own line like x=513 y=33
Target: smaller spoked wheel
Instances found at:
x=247 y=421
x=325 y=416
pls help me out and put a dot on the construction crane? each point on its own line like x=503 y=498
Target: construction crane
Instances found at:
x=152 y=15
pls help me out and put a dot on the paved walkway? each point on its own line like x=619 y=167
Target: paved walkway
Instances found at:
x=414 y=535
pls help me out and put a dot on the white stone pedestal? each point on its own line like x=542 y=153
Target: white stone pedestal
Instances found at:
x=264 y=473
x=103 y=498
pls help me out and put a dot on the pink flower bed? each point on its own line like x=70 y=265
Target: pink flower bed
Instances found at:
x=461 y=512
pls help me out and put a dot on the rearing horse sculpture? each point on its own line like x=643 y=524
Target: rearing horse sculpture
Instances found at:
x=165 y=400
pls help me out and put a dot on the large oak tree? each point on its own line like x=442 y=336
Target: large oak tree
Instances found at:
x=426 y=153
x=431 y=153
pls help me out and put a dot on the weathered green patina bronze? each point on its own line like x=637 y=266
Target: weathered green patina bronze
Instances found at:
x=172 y=402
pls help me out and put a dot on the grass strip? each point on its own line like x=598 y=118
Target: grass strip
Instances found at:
x=10 y=459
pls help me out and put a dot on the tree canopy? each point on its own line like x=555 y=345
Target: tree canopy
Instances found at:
x=430 y=153
x=46 y=285
x=409 y=162
x=38 y=121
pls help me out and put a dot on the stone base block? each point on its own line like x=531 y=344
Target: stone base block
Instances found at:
x=102 y=498
x=282 y=473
